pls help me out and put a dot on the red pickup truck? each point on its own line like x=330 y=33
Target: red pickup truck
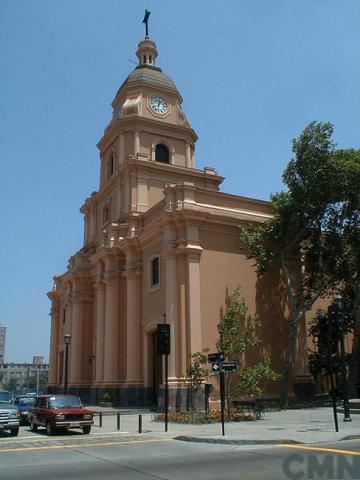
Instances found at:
x=59 y=411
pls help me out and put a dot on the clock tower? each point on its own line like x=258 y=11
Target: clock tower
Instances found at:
x=148 y=145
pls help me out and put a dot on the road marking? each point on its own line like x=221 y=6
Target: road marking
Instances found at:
x=79 y=445
x=322 y=449
x=40 y=438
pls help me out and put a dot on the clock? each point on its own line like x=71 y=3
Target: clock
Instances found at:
x=158 y=105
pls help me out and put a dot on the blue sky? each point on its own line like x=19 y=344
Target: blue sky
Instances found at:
x=253 y=74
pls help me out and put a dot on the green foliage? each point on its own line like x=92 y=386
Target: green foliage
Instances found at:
x=314 y=235
x=239 y=334
x=196 y=373
x=196 y=417
x=239 y=328
x=251 y=378
x=325 y=348
x=107 y=397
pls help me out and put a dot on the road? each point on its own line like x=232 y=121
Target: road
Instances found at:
x=136 y=457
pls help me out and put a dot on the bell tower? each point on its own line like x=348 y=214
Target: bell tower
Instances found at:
x=147 y=145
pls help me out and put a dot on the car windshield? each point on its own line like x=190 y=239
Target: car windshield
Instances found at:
x=26 y=401
x=65 y=401
x=5 y=397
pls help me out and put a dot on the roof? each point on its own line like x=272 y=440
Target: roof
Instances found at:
x=151 y=75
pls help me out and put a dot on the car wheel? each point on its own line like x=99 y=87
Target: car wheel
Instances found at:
x=33 y=426
x=87 y=429
x=49 y=428
x=14 y=432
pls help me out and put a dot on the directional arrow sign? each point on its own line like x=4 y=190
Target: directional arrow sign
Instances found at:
x=216 y=367
x=216 y=357
x=228 y=366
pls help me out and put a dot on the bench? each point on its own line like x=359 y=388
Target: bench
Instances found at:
x=254 y=407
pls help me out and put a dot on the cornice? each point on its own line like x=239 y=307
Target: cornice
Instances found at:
x=82 y=297
x=144 y=124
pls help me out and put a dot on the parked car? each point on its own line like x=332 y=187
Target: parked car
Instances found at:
x=59 y=411
x=9 y=420
x=23 y=403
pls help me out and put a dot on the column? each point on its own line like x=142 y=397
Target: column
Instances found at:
x=111 y=328
x=133 y=343
x=54 y=339
x=75 y=352
x=182 y=330
x=188 y=162
x=136 y=142
x=171 y=311
x=100 y=331
x=121 y=149
x=194 y=335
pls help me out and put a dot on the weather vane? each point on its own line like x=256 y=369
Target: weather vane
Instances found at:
x=146 y=21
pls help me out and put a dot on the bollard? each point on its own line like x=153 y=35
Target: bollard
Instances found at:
x=118 y=421
x=100 y=419
x=140 y=423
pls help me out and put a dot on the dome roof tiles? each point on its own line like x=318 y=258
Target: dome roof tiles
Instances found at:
x=147 y=74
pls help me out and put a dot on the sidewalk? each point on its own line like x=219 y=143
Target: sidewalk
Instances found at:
x=314 y=425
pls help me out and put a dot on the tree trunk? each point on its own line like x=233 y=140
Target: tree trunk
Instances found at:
x=296 y=314
x=290 y=354
x=355 y=354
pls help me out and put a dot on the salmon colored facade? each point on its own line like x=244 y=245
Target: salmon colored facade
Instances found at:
x=161 y=242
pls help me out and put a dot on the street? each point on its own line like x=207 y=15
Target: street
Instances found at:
x=135 y=457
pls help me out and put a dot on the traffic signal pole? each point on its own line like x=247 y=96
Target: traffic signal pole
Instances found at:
x=166 y=391
x=331 y=371
x=222 y=399
x=339 y=314
x=163 y=348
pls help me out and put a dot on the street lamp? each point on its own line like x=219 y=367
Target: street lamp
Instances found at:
x=67 y=341
x=345 y=383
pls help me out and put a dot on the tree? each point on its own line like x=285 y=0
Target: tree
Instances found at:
x=313 y=228
x=238 y=334
x=196 y=373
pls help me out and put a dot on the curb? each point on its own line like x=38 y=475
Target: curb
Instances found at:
x=232 y=441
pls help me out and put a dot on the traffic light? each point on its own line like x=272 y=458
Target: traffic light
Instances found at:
x=163 y=339
x=323 y=335
x=334 y=321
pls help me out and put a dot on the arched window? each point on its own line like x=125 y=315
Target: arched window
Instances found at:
x=161 y=153
x=155 y=272
x=110 y=165
x=106 y=214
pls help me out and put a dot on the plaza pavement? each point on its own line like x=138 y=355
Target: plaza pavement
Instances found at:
x=313 y=425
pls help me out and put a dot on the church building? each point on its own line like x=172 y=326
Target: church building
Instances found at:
x=161 y=244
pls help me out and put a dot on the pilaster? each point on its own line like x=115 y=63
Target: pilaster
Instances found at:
x=111 y=322
x=54 y=339
x=133 y=299
x=82 y=306
x=100 y=328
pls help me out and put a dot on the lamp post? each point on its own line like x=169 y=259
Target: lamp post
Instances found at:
x=67 y=341
x=345 y=383
x=222 y=383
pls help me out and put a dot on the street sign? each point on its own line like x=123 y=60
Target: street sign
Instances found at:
x=216 y=357
x=229 y=366
x=216 y=367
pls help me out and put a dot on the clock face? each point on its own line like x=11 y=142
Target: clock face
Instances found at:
x=158 y=105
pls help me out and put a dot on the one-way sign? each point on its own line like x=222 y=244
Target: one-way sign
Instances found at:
x=216 y=367
x=229 y=366
x=216 y=357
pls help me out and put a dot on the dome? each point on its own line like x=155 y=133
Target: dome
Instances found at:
x=150 y=75
x=146 y=72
